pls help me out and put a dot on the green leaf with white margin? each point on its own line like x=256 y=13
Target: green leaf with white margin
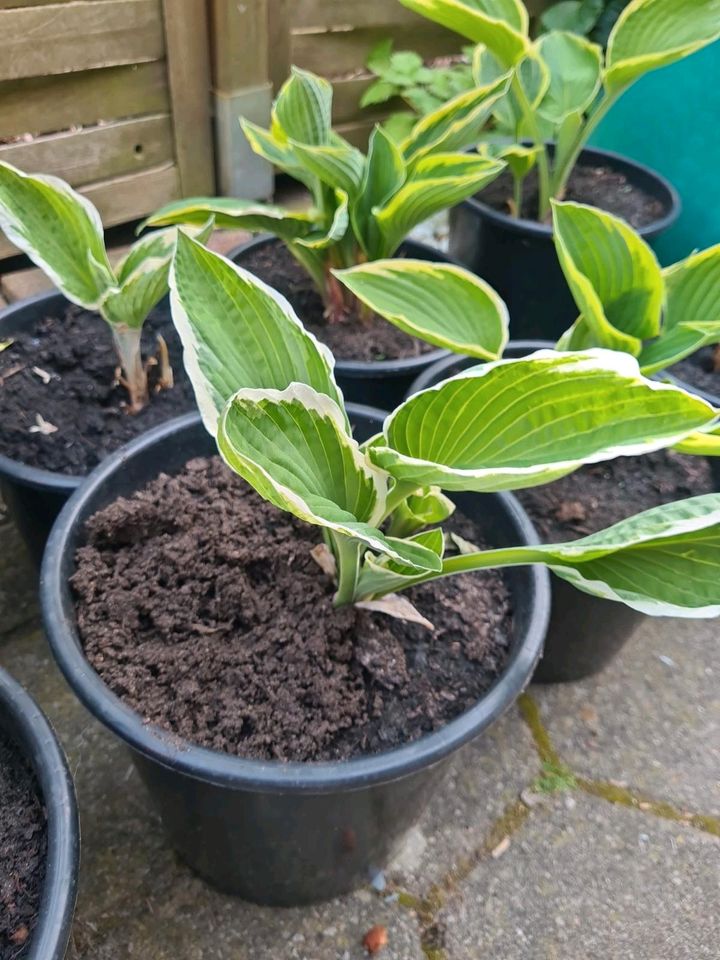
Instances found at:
x=385 y=173
x=613 y=274
x=443 y=304
x=232 y=214
x=303 y=108
x=519 y=423
x=322 y=239
x=340 y=165
x=277 y=151
x=574 y=66
x=705 y=444
x=519 y=159
x=439 y=181
x=502 y=25
x=420 y=510
x=383 y=575
x=663 y=562
x=294 y=447
x=59 y=230
x=458 y=123
x=655 y=33
x=238 y=332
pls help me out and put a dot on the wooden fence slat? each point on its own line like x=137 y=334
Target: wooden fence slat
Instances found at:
x=241 y=49
x=96 y=153
x=79 y=35
x=43 y=104
x=338 y=13
x=341 y=52
x=188 y=62
x=279 y=40
x=346 y=102
x=126 y=198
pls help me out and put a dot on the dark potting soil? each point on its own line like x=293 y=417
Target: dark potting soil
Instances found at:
x=599 y=495
x=23 y=843
x=63 y=371
x=199 y=605
x=701 y=370
x=351 y=339
x=598 y=186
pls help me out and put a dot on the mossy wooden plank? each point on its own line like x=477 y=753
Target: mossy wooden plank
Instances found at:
x=338 y=53
x=126 y=198
x=40 y=105
x=96 y=153
x=79 y=35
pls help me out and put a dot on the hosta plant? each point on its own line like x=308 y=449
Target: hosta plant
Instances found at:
x=363 y=205
x=266 y=391
x=62 y=233
x=562 y=84
x=590 y=18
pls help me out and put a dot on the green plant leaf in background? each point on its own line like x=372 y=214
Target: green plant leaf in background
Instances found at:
x=500 y=24
x=59 y=230
x=614 y=277
x=576 y=16
x=655 y=33
x=295 y=448
x=519 y=423
x=231 y=214
x=440 y=303
x=238 y=332
x=574 y=67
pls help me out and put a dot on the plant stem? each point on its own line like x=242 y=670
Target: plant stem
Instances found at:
x=562 y=171
x=127 y=345
x=517 y=195
x=399 y=493
x=543 y=164
x=347 y=560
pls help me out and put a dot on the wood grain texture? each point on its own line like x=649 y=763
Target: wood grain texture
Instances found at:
x=79 y=35
x=188 y=65
x=279 y=40
x=96 y=153
x=240 y=45
x=39 y=105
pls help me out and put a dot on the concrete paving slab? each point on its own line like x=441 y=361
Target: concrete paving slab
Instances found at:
x=651 y=719
x=584 y=880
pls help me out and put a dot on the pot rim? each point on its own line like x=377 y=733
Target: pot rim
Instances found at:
x=36 y=477
x=669 y=197
x=38 y=742
x=362 y=368
x=256 y=775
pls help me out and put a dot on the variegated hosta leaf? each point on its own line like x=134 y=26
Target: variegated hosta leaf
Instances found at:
x=531 y=73
x=574 y=66
x=380 y=575
x=237 y=332
x=294 y=447
x=519 y=423
x=340 y=166
x=502 y=25
x=439 y=181
x=654 y=33
x=420 y=510
x=303 y=108
x=277 y=151
x=706 y=444
x=519 y=159
x=385 y=173
x=231 y=214
x=338 y=227
x=664 y=562
x=613 y=275
x=677 y=343
x=59 y=230
x=438 y=302
x=458 y=123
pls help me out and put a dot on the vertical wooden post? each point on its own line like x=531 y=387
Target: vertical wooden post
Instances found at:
x=279 y=34
x=188 y=64
x=241 y=88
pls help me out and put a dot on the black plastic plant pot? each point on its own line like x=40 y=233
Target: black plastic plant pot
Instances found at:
x=381 y=383
x=24 y=723
x=33 y=496
x=585 y=632
x=271 y=832
x=518 y=258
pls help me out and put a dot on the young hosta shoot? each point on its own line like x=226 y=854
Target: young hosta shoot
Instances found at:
x=563 y=85
x=62 y=233
x=363 y=205
x=266 y=391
